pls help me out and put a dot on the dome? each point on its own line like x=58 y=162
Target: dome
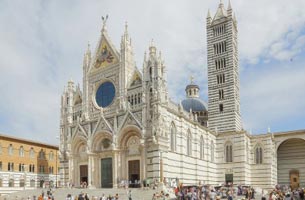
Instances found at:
x=195 y=104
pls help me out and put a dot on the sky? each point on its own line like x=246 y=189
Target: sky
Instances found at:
x=42 y=44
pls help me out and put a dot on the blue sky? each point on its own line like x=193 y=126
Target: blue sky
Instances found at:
x=43 y=42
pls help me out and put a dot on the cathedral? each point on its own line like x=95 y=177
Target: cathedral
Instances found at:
x=122 y=125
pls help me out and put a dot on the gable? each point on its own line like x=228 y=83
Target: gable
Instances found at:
x=105 y=56
x=130 y=119
x=102 y=125
x=136 y=79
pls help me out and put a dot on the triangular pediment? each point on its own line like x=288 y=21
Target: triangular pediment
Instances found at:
x=77 y=96
x=136 y=78
x=106 y=54
x=221 y=13
x=79 y=131
x=130 y=119
x=102 y=125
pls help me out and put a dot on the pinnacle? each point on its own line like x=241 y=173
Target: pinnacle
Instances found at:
x=88 y=47
x=221 y=3
x=126 y=28
x=229 y=5
x=152 y=42
x=209 y=14
x=104 y=19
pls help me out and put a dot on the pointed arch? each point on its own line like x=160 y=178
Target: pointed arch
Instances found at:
x=228 y=151
x=258 y=154
x=173 y=137
x=212 y=151
x=99 y=141
x=201 y=148
x=189 y=143
x=21 y=151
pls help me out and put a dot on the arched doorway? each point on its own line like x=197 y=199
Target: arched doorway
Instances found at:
x=291 y=163
x=131 y=154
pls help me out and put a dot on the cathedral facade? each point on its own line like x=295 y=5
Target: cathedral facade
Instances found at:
x=122 y=126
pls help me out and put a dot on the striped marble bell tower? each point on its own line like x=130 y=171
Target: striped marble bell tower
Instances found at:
x=223 y=71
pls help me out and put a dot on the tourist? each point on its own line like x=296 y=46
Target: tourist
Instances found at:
x=129 y=195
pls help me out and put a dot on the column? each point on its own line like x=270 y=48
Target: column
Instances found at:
x=115 y=170
x=71 y=168
x=143 y=162
x=91 y=171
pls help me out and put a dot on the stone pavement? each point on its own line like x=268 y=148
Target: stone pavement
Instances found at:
x=61 y=193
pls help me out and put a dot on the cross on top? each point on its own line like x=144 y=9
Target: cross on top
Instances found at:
x=192 y=79
x=104 y=19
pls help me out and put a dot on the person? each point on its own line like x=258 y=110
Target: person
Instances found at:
x=103 y=197
x=129 y=195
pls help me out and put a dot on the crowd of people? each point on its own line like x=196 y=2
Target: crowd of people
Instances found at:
x=203 y=192
x=160 y=196
x=285 y=193
x=85 y=196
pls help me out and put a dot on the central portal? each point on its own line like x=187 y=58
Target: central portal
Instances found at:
x=134 y=173
x=106 y=173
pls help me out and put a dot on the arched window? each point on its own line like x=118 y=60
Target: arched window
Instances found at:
x=11 y=183
x=10 y=166
x=228 y=152
x=32 y=153
x=21 y=151
x=258 y=155
x=51 y=156
x=150 y=73
x=212 y=151
x=189 y=144
x=32 y=183
x=41 y=154
x=173 y=137
x=21 y=183
x=10 y=149
x=201 y=148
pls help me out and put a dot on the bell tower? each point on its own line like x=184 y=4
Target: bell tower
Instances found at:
x=223 y=71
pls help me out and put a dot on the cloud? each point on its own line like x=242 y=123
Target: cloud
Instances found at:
x=42 y=46
x=273 y=97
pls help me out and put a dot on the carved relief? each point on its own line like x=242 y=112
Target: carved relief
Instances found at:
x=82 y=152
x=133 y=145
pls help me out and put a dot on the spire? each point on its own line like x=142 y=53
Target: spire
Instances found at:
x=152 y=48
x=70 y=85
x=126 y=28
x=229 y=5
x=104 y=19
x=221 y=11
x=221 y=4
x=209 y=14
x=88 y=52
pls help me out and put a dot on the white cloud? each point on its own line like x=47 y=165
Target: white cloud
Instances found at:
x=273 y=97
x=42 y=46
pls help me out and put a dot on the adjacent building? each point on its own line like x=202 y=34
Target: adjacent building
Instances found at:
x=26 y=164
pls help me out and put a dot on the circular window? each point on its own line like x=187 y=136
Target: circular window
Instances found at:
x=105 y=94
